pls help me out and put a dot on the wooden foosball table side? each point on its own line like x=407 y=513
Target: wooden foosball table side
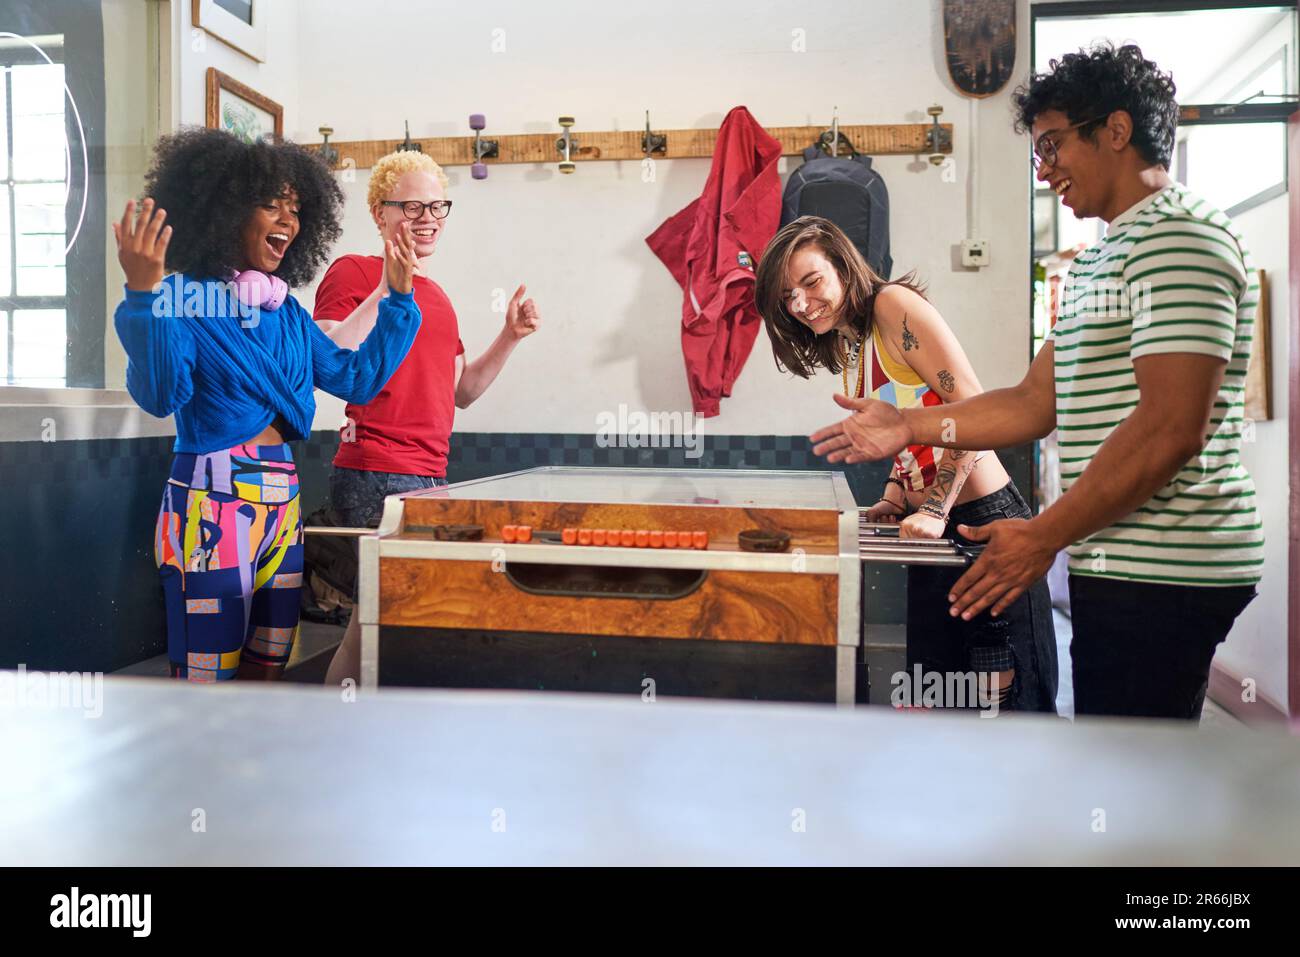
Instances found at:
x=800 y=609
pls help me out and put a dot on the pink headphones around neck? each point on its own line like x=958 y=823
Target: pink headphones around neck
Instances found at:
x=258 y=289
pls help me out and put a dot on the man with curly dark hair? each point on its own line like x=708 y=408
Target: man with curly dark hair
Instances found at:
x=1143 y=376
x=223 y=346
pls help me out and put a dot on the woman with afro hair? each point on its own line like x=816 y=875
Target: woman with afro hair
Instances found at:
x=223 y=346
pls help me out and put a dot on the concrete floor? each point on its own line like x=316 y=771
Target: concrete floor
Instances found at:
x=886 y=654
x=308 y=661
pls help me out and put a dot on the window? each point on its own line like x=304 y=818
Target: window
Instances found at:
x=84 y=89
x=1240 y=165
x=34 y=170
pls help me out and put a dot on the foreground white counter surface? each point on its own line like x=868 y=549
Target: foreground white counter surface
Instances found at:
x=287 y=775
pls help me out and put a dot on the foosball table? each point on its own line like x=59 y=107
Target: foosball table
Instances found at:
x=700 y=582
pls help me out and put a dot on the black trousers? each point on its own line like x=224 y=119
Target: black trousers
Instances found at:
x=1023 y=637
x=1145 y=649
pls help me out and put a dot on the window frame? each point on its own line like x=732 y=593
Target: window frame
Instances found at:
x=15 y=301
x=80 y=24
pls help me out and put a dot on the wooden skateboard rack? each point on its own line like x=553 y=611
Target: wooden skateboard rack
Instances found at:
x=591 y=145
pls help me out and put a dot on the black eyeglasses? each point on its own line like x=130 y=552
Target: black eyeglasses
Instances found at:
x=414 y=209
x=1045 y=148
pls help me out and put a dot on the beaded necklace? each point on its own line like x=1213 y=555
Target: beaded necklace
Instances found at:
x=842 y=352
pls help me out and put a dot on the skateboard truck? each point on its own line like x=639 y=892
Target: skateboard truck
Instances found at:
x=567 y=145
x=653 y=142
x=328 y=153
x=409 y=145
x=937 y=140
x=482 y=148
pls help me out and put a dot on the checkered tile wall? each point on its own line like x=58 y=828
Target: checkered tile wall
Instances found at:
x=81 y=589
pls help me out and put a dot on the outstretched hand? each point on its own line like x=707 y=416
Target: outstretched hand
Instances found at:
x=400 y=261
x=876 y=430
x=142 y=245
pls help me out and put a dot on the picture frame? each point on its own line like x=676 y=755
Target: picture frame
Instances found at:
x=239 y=24
x=1259 y=374
x=241 y=110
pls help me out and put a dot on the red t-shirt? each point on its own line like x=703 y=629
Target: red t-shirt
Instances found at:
x=407 y=426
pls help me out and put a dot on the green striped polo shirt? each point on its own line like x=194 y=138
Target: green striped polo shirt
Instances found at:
x=1170 y=275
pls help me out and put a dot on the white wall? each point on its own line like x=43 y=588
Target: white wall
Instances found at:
x=131 y=124
x=611 y=312
x=1256 y=647
x=278 y=77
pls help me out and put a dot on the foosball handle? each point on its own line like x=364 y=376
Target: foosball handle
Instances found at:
x=969 y=551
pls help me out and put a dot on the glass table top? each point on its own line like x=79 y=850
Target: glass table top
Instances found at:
x=734 y=488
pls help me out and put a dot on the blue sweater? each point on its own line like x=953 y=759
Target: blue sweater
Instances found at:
x=226 y=376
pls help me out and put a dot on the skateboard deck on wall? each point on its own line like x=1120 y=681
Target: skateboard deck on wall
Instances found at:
x=979 y=37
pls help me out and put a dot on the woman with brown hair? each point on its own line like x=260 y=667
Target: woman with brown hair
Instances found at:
x=824 y=308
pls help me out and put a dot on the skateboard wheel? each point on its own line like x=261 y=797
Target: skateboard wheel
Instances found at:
x=598 y=536
x=478 y=170
x=670 y=539
x=568 y=167
x=700 y=539
x=569 y=536
x=477 y=121
x=524 y=533
x=584 y=536
x=642 y=538
x=507 y=533
x=761 y=540
x=566 y=121
x=656 y=538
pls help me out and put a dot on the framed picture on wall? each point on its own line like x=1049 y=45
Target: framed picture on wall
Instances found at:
x=1259 y=374
x=240 y=24
x=238 y=109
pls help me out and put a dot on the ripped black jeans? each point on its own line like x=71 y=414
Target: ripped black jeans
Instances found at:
x=1022 y=637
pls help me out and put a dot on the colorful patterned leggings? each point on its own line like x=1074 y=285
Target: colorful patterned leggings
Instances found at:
x=229 y=551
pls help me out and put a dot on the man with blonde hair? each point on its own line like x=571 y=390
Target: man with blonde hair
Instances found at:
x=398 y=442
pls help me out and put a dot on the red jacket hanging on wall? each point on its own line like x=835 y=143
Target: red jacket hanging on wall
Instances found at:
x=711 y=248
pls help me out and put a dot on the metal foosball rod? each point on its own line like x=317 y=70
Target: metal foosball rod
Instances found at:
x=879 y=542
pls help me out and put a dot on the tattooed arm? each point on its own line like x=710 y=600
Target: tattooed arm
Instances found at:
x=917 y=336
x=925 y=343
x=954 y=470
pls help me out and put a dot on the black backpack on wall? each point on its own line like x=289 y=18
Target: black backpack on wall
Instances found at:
x=848 y=192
